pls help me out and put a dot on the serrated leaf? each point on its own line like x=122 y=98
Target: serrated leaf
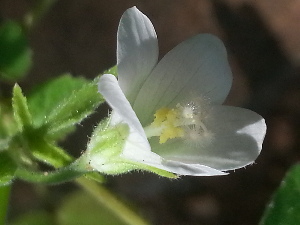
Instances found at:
x=50 y=95
x=7 y=169
x=284 y=208
x=71 y=212
x=15 y=57
x=80 y=104
x=20 y=108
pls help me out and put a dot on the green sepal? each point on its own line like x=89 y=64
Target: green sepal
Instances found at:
x=15 y=57
x=20 y=108
x=113 y=70
x=95 y=176
x=7 y=168
x=104 y=152
x=159 y=172
x=72 y=110
x=104 y=149
x=284 y=208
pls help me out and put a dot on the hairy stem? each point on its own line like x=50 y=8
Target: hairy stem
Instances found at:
x=53 y=177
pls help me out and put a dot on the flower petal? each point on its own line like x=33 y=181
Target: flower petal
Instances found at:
x=190 y=169
x=196 y=67
x=137 y=51
x=122 y=112
x=234 y=140
x=137 y=148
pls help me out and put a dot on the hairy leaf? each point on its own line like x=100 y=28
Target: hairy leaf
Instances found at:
x=20 y=108
x=73 y=109
x=48 y=96
x=284 y=208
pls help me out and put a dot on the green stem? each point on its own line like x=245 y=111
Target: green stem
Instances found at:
x=106 y=198
x=4 y=200
x=58 y=176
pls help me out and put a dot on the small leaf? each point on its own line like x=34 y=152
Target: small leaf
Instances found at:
x=7 y=169
x=80 y=104
x=15 y=57
x=20 y=108
x=284 y=208
x=50 y=95
x=71 y=212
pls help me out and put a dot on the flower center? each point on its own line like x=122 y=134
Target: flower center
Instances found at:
x=179 y=122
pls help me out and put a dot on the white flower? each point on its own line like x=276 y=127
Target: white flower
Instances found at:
x=173 y=107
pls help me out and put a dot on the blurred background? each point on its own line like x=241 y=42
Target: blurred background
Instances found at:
x=263 y=43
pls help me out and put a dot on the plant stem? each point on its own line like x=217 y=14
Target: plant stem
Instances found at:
x=53 y=177
x=4 y=199
x=107 y=199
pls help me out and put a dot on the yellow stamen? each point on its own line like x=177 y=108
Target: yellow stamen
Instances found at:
x=169 y=133
x=160 y=116
x=179 y=122
x=166 y=119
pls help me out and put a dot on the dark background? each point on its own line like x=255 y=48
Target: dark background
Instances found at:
x=263 y=43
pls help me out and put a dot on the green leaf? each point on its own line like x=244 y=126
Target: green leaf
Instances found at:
x=71 y=212
x=7 y=169
x=50 y=95
x=79 y=105
x=284 y=208
x=20 y=108
x=15 y=57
